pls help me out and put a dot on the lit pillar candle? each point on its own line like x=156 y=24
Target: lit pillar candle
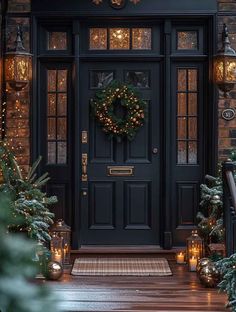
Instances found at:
x=195 y=252
x=57 y=255
x=180 y=258
x=192 y=264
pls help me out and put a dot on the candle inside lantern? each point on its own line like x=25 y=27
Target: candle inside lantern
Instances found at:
x=192 y=264
x=180 y=258
x=66 y=249
x=57 y=255
x=195 y=252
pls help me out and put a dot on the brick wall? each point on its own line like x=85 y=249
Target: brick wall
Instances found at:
x=18 y=104
x=18 y=130
x=227 y=129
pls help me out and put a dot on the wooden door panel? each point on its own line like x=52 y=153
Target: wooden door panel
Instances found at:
x=141 y=153
x=137 y=205
x=121 y=210
x=101 y=149
x=187 y=203
x=101 y=216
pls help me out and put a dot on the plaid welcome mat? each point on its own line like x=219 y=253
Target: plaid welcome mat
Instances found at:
x=103 y=266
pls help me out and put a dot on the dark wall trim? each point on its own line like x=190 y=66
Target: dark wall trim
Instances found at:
x=145 y=7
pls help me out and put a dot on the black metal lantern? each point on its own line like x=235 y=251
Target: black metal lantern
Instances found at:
x=60 y=229
x=225 y=65
x=18 y=67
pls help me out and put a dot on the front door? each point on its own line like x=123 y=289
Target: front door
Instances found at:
x=118 y=209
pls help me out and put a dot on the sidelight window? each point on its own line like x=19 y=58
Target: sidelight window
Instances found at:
x=187 y=115
x=57 y=116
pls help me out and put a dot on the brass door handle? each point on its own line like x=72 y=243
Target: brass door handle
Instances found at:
x=84 y=163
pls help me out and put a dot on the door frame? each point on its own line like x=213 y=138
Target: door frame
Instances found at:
x=210 y=117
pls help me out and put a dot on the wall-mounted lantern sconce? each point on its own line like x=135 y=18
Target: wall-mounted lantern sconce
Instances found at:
x=225 y=65
x=18 y=67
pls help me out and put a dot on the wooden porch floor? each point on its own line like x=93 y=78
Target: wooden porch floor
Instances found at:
x=180 y=292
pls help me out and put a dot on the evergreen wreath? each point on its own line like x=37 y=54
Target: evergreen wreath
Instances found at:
x=103 y=108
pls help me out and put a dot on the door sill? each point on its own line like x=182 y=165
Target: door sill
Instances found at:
x=99 y=249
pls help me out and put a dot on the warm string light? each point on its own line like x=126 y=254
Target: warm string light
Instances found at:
x=16 y=149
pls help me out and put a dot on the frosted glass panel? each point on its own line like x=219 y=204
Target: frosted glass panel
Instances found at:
x=101 y=79
x=98 y=39
x=187 y=40
x=139 y=79
x=182 y=153
x=141 y=38
x=119 y=38
x=57 y=40
x=61 y=152
x=52 y=80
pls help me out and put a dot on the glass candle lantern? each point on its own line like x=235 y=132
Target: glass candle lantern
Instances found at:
x=56 y=248
x=63 y=231
x=195 y=246
x=18 y=68
x=224 y=65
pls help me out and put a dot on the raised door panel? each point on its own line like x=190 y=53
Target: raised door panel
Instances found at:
x=102 y=205
x=137 y=205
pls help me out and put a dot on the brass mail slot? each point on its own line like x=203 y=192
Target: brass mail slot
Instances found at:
x=120 y=171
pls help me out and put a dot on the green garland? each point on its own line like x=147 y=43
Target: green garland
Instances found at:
x=103 y=107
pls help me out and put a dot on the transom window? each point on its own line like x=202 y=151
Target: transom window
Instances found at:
x=120 y=38
x=187 y=40
x=57 y=40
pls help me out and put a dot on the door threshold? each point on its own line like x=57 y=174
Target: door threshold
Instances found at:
x=131 y=249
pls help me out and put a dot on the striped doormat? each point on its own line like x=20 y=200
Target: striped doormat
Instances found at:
x=122 y=266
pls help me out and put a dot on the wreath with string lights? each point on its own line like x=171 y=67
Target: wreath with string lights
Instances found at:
x=104 y=107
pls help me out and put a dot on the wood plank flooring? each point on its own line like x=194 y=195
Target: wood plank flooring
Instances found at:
x=180 y=292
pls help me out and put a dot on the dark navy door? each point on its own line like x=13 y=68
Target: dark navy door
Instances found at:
x=117 y=209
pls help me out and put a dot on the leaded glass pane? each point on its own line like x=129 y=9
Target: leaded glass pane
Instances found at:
x=182 y=152
x=187 y=40
x=98 y=38
x=119 y=38
x=62 y=104
x=182 y=128
x=192 y=128
x=182 y=79
x=51 y=128
x=57 y=40
x=62 y=80
x=52 y=80
x=51 y=104
x=192 y=104
x=101 y=79
x=61 y=129
x=52 y=152
x=141 y=38
x=139 y=79
x=192 y=79
x=192 y=153
x=61 y=152
x=182 y=104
